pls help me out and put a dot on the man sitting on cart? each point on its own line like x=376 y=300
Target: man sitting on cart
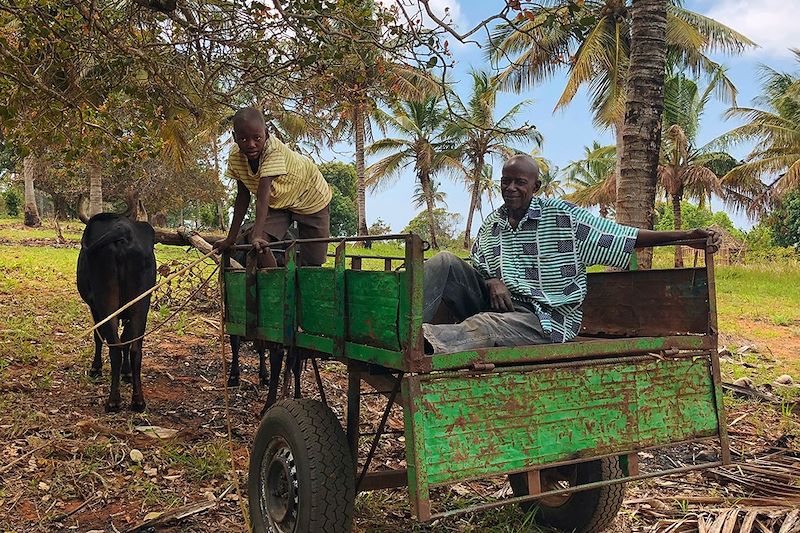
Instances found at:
x=526 y=279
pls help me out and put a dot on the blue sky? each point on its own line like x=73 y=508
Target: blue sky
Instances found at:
x=767 y=22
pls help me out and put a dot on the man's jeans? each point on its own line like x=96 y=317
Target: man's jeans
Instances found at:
x=455 y=283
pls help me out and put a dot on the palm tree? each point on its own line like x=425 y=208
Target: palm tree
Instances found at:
x=420 y=198
x=422 y=144
x=776 y=132
x=599 y=57
x=487 y=186
x=483 y=136
x=685 y=169
x=31 y=166
x=592 y=178
x=548 y=177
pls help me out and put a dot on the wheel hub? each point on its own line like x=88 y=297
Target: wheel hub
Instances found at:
x=279 y=487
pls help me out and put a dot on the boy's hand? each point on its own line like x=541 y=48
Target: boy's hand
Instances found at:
x=224 y=244
x=260 y=245
x=499 y=297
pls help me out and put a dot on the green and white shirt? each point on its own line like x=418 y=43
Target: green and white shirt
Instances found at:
x=543 y=262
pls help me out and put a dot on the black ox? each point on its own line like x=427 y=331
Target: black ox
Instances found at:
x=115 y=265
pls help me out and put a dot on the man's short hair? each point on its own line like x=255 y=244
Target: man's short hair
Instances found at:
x=248 y=115
x=523 y=161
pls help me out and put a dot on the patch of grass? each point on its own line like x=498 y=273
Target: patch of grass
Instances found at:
x=200 y=462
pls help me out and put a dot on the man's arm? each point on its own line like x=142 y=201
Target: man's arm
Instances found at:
x=702 y=237
x=240 y=206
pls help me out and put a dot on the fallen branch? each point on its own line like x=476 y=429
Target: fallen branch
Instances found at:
x=7 y=467
x=176 y=514
x=194 y=238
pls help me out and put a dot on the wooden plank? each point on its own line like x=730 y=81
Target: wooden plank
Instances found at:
x=270 y=291
x=235 y=299
x=570 y=350
x=478 y=425
x=372 y=308
x=647 y=303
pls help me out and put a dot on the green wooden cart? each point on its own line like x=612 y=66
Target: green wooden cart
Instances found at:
x=564 y=422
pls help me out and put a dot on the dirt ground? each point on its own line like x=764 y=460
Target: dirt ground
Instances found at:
x=66 y=465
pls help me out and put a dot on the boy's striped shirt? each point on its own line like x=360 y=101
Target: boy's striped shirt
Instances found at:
x=297 y=183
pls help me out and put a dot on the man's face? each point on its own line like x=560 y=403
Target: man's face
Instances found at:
x=251 y=138
x=518 y=185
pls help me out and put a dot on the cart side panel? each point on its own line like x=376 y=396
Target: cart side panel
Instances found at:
x=372 y=308
x=475 y=425
x=315 y=313
x=235 y=318
x=270 y=294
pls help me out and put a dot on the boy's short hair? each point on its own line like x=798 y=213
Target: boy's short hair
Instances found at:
x=248 y=115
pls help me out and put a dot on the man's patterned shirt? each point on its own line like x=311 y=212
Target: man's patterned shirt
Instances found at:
x=543 y=262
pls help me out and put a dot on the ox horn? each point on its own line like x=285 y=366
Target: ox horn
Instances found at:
x=81 y=209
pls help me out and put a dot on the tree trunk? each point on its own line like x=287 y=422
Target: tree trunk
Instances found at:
x=641 y=133
x=677 y=215
x=473 y=202
x=361 y=186
x=618 y=134
x=30 y=168
x=425 y=181
x=222 y=218
x=95 y=189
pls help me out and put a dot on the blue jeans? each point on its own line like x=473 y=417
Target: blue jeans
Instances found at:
x=455 y=292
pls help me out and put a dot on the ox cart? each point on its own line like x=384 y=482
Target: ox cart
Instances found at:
x=564 y=422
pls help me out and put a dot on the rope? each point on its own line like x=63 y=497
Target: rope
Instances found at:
x=234 y=474
x=170 y=317
x=148 y=291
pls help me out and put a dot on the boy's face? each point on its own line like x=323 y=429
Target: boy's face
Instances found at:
x=251 y=138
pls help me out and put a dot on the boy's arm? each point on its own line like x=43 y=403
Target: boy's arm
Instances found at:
x=240 y=206
x=262 y=209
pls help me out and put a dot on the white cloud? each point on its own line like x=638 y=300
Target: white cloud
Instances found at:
x=454 y=14
x=770 y=23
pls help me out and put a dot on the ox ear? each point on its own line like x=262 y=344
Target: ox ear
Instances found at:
x=81 y=209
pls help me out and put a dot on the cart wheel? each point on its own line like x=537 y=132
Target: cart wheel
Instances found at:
x=587 y=511
x=301 y=477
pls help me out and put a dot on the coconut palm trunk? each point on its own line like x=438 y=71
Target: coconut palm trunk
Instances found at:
x=473 y=203
x=425 y=181
x=95 y=189
x=30 y=168
x=677 y=215
x=361 y=187
x=641 y=133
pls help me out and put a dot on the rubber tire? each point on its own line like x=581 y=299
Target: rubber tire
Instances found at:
x=325 y=470
x=588 y=511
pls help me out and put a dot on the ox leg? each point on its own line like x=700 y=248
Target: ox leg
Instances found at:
x=296 y=370
x=275 y=363
x=133 y=329
x=233 y=377
x=96 y=371
x=109 y=333
x=263 y=374
x=126 y=359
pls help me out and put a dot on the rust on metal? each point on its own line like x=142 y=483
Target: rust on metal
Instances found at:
x=534 y=482
x=587 y=486
x=353 y=414
x=385 y=479
x=716 y=374
x=647 y=303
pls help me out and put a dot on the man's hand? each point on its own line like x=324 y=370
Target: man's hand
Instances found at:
x=499 y=297
x=713 y=239
x=222 y=245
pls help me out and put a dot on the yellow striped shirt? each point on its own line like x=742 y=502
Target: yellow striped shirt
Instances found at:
x=297 y=183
